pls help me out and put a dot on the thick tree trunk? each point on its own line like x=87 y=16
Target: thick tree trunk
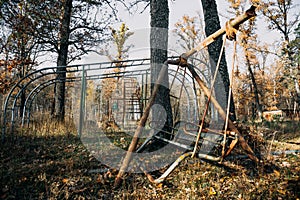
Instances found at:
x=160 y=99
x=159 y=46
x=212 y=24
x=62 y=60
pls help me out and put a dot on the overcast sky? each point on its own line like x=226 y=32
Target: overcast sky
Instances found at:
x=139 y=23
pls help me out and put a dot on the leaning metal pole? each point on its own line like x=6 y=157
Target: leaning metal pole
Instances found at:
x=182 y=61
x=134 y=142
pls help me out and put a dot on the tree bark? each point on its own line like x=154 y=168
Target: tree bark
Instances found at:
x=159 y=45
x=212 y=24
x=255 y=91
x=62 y=60
x=159 y=11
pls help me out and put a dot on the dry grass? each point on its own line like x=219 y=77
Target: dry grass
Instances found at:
x=54 y=164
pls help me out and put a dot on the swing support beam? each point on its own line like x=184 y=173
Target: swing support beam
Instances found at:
x=231 y=25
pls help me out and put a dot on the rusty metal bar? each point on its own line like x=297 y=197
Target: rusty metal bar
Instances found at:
x=168 y=171
x=234 y=23
x=134 y=142
x=222 y=113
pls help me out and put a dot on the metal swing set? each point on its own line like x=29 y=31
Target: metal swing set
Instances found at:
x=230 y=135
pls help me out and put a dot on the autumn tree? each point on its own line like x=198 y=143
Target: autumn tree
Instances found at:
x=294 y=49
x=78 y=33
x=18 y=45
x=62 y=59
x=65 y=30
x=279 y=15
x=294 y=46
x=190 y=32
x=118 y=39
x=248 y=41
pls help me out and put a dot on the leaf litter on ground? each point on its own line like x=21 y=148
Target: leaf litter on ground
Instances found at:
x=60 y=167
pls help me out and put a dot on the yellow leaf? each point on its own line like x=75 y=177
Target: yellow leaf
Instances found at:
x=160 y=185
x=282 y=191
x=100 y=179
x=277 y=173
x=212 y=191
x=65 y=180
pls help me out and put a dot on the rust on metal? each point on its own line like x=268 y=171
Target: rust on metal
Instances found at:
x=234 y=23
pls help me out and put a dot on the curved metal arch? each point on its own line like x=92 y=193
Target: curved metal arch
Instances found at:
x=187 y=92
x=23 y=84
x=41 y=86
x=45 y=72
x=69 y=69
x=18 y=95
x=22 y=88
x=37 y=90
x=34 y=93
x=207 y=79
x=42 y=73
x=78 y=68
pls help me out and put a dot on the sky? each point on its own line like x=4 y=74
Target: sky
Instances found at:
x=139 y=23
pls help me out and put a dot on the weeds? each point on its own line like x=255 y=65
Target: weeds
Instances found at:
x=50 y=162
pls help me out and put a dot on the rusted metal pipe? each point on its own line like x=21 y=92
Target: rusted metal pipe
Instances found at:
x=134 y=141
x=222 y=113
x=169 y=170
x=234 y=23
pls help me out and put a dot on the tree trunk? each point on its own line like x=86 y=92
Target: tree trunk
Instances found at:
x=212 y=24
x=255 y=91
x=159 y=46
x=62 y=60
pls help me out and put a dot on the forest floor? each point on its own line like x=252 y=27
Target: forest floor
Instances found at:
x=58 y=166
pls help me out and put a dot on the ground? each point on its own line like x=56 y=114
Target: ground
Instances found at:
x=58 y=166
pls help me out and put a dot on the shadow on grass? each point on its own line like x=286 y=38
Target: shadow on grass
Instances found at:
x=48 y=167
x=60 y=167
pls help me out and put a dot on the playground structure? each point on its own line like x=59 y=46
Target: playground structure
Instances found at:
x=122 y=100
x=126 y=102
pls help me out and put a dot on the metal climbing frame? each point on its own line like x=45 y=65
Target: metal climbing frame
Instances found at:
x=18 y=112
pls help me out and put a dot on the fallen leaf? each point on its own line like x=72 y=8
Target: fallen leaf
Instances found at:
x=100 y=179
x=285 y=164
x=282 y=191
x=212 y=191
x=277 y=173
x=65 y=180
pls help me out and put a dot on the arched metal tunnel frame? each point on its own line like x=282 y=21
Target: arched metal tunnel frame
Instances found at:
x=45 y=77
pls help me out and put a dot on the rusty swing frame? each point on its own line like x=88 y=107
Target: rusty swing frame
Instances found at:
x=230 y=30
